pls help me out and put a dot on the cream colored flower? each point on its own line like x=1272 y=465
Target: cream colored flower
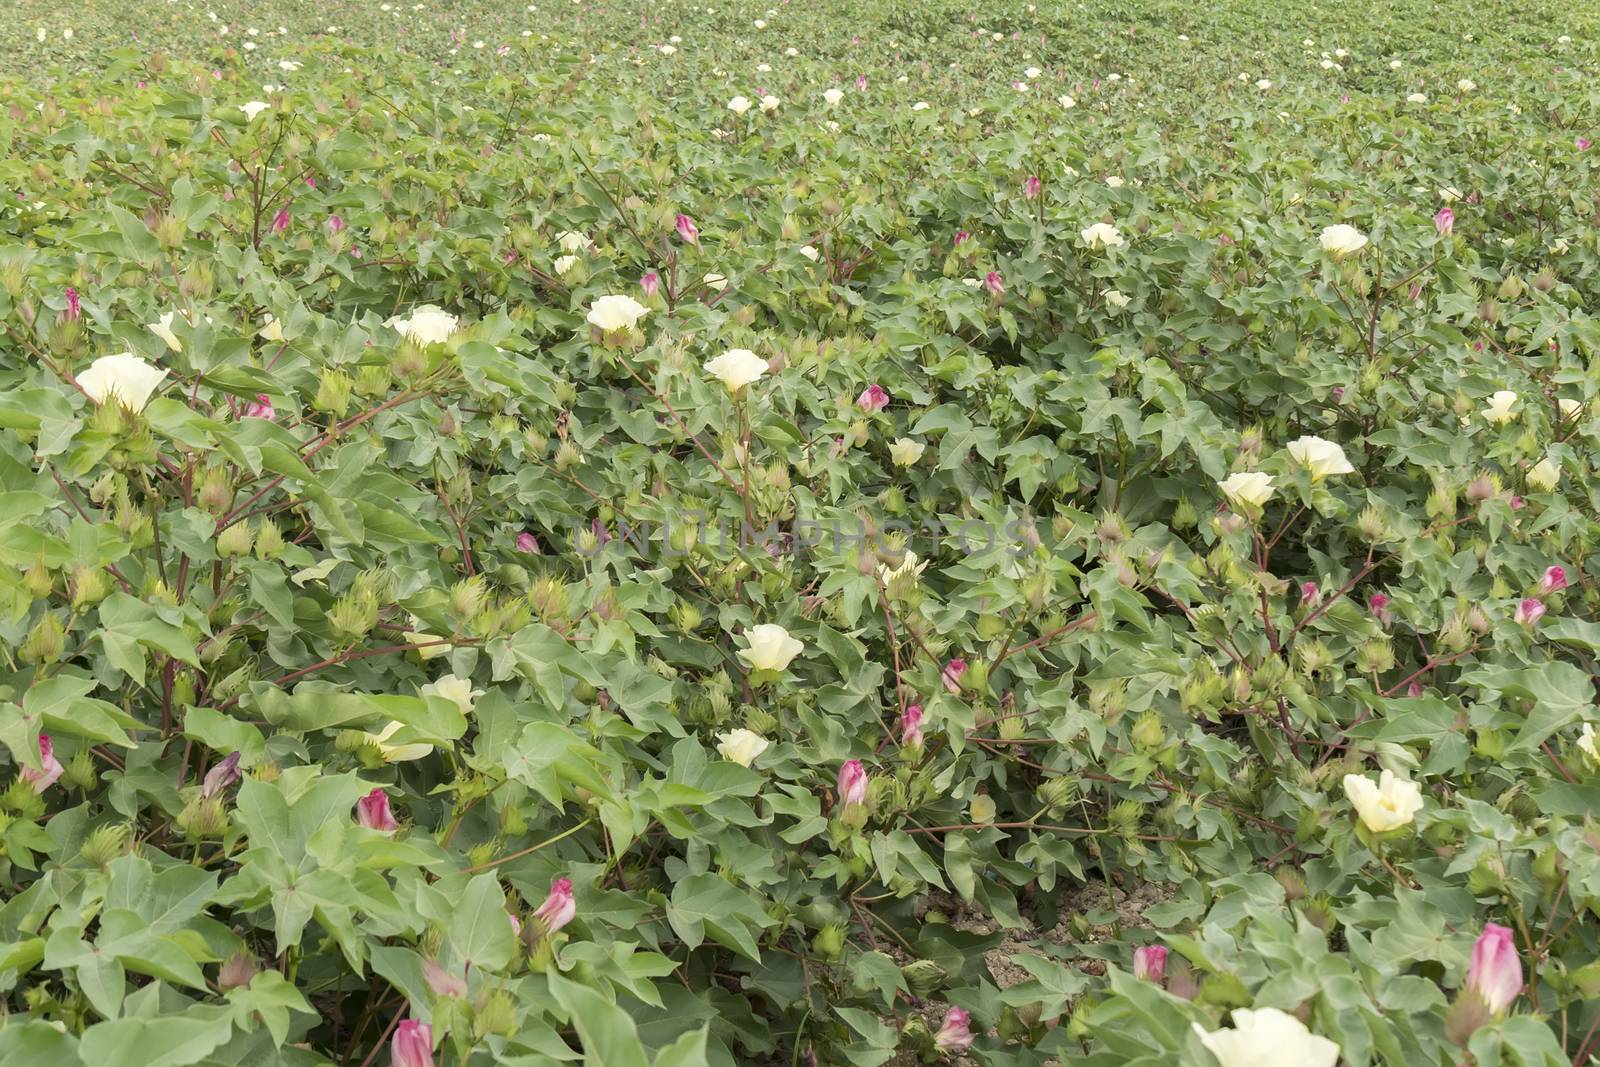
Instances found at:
x=1341 y=240
x=271 y=329
x=1267 y=1037
x=921 y=105
x=771 y=648
x=809 y=252
x=1466 y=85
x=1115 y=298
x=612 y=313
x=1066 y=101
x=906 y=452
x=769 y=103
x=1102 y=235
x=906 y=572
x=832 y=97
x=1032 y=73
x=1249 y=488
x=573 y=242
x=427 y=325
x=715 y=281
x=1388 y=805
x=1417 y=98
x=1586 y=742
x=162 y=328
x=1321 y=457
x=458 y=691
x=1500 y=404
x=436 y=647
x=1449 y=194
x=737 y=368
x=982 y=809
x=397 y=753
x=1544 y=475
x=742 y=746
x=125 y=377
x=565 y=264
x=1569 y=408
x=739 y=105
x=253 y=108
x=1263 y=85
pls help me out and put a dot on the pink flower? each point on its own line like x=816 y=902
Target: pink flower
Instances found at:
x=441 y=981
x=221 y=776
x=44 y=779
x=873 y=398
x=955 y=1035
x=1517 y=503
x=1583 y=144
x=1415 y=290
x=861 y=82
x=1414 y=689
x=1529 y=611
x=527 y=543
x=280 y=221
x=558 y=908
x=260 y=408
x=1554 y=580
x=952 y=674
x=688 y=230
x=1377 y=603
x=335 y=224
x=74 y=309
x=412 y=1045
x=1310 y=593
x=994 y=283
x=962 y=235
x=1444 y=221
x=1496 y=972
x=852 y=783
x=911 y=727
x=372 y=811
x=1032 y=187
x=1150 y=963
x=650 y=283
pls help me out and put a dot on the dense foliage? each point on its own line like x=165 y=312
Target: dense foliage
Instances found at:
x=662 y=534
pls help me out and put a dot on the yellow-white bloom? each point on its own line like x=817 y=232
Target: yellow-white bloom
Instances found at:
x=742 y=746
x=1544 y=475
x=1115 y=298
x=809 y=252
x=1569 y=408
x=1466 y=85
x=1102 y=235
x=1341 y=240
x=1321 y=457
x=612 y=313
x=428 y=324
x=1449 y=194
x=1032 y=73
x=1263 y=85
x=434 y=650
x=715 y=281
x=905 y=451
x=162 y=328
x=737 y=368
x=739 y=105
x=1500 y=405
x=1066 y=101
x=1388 y=805
x=921 y=105
x=397 y=753
x=1586 y=742
x=565 y=264
x=982 y=809
x=271 y=329
x=1250 y=488
x=572 y=242
x=771 y=648
x=123 y=377
x=907 y=571
x=832 y=97
x=1417 y=98
x=1267 y=1037
x=253 y=108
x=458 y=691
x=769 y=103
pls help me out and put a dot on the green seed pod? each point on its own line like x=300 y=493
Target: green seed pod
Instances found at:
x=235 y=541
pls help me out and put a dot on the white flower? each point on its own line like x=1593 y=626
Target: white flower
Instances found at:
x=832 y=97
x=1320 y=456
x=458 y=691
x=715 y=281
x=1388 y=805
x=1066 y=101
x=162 y=328
x=1395 y=64
x=288 y=66
x=761 y=24
x=1102 y=235
x=1586 y=741
x=1328 y=64
x=565 y=263
x=1569 y=408
x=254 y=108
x=737 y=368
x=1417 y=98
x=1499 y=409
x=1267 y=1037
x=1449 y=194
x=809 y=252
x=1341 y=240
x=1342 y=53
x=1250 y=488
x=427 y=325
x=771 y=648
x=40 y=34
x=1115 y=298
x=905 y=451
x=612 y=313
x=1263 y=85
x=791 y=52
x=66 y=34
x=1563 y=39
x=271 y=329
x=921 y=105
x=1032 y=73
x=1113 y=181
x=573 y=241
x=739 y=105
x=667 y=50
x=742 y=746
x=123 y=377
x=1466 y=85
x=397 y=753
x=769 y=103
x=909 y=567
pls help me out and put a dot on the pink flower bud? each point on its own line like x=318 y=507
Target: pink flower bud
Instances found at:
x=558 y=908
x=280 y=221
x=994 y=283
x=74 y=309
x=952 y=674
x=1032 y=187
x=1377 y=603
x=1150 y=963
x=1583 y=144
x=1496 y=971
x=442 y=982
x=372 y=811
x=1444 y=221
x=1529 y=612
x=1414 y=689
x=260 y=408
x=44 y=779
x=962 y=235
x=852 y=783
x=1554 y=580
x=335 y=224
x=650 y=283
x=861 y=82
x=955 y=1035
x=412 y=1045
x=911 y=727
x=221 y=776
x=1310 y=594
x=688 y=230
x=873 y=398
x=527 y=543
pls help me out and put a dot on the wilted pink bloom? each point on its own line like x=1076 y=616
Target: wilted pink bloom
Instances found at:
x=1496 y=971
x=852 y=783
x=52 y=769
x=962 y=235
x=1444 y=221
x=861 y=81
x=558 y=908
x=280 y=221
x=509 y=256
x=1337 y=392
x=1529 y=611
x=1554 y=580
x=312 y=182
x=911 y=727
x=1414 y=689
x=504 y=49
x=650 y=283
x=955 y=1035
x=1224 y=240
x=260 y=408
x=1378 y=602
x=1583 y=144
x=688 y=230
x=74 y=309
x=994 y=283
x=1032 y=186
x=372 y=811
x=1310 y=593
x=952 y=674
x=221 y=776
x=1517 y=503
x=1415 y=290
x=335 y=224
x=442 y=982
x=527 y=543
x=873 y=398
x=602 y=534
x=516 y=925
x=412 y=1045
x=1150 y=963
